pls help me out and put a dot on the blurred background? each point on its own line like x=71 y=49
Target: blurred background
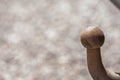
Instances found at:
x=39 y=39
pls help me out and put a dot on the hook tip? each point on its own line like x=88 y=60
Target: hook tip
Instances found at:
x=92 y=37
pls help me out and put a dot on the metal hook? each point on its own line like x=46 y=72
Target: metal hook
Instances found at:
x=93 y=38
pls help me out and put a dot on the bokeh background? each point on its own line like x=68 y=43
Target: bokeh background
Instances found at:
x=39 y=39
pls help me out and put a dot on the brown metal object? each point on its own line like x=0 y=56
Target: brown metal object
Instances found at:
x=93 y=38
x=116 y=3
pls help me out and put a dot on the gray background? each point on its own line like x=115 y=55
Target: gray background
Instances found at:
x=39 y=39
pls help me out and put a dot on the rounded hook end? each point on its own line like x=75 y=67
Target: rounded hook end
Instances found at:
x=92 y=37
